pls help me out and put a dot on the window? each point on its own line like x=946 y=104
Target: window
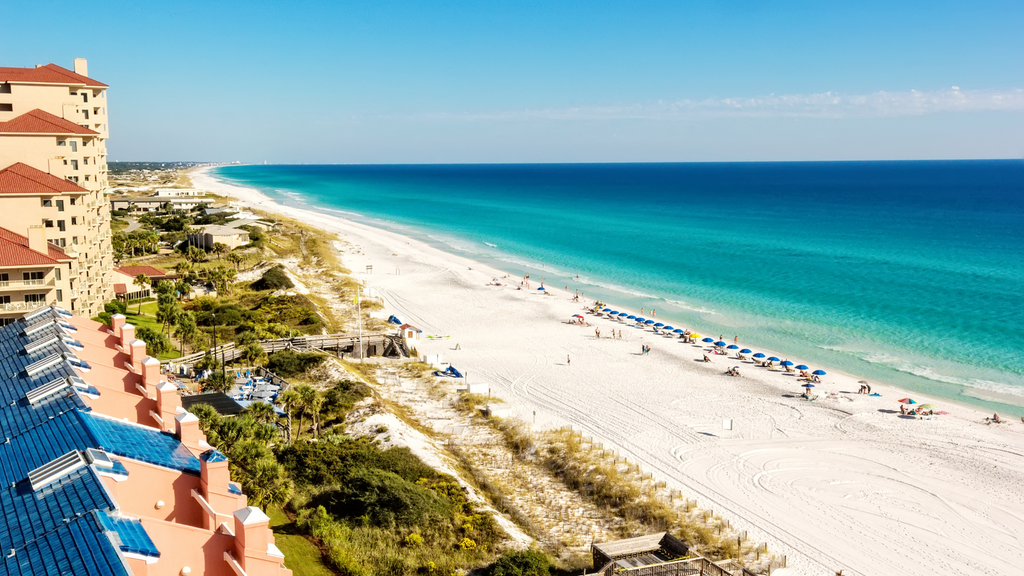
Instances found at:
x=74 y=92
x=56 y=273
x=73 y=200
x=72 y=178
x=60 y=226
x=60 y=205
x=5 y=299
x=60 y=295
x=47 y=203
x=85 y=96
x=85 y=161
x=74 y=239
x=6 y=321
x=48 y=223
x=86 y=112
x=74 y=164
x=87 y=178
x=26 y=276
x=4 y=279
x=60 y=242
x=5 y=88
x=74 y=220
x=74 y=145
x=6 y=107
x=35 y=298
x=62 y=142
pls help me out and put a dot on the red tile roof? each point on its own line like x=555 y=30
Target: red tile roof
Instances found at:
x=120 y=288
x=49 y=74
x=17 y=253
x=55 y=252
x=39 y=122
x=134 y=271
x=23 y=179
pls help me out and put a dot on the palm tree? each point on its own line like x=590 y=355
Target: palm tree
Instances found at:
x=142 y=281
x=307 y=394
x=316 y=408
x=262 y=412
x=187 y=328
x=220 y=249
x=289 y=398
x=236 y=258
x=254 y=354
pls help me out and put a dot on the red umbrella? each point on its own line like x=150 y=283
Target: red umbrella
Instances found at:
x=907 y=401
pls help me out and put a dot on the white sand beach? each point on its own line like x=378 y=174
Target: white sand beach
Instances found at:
x=842 y=482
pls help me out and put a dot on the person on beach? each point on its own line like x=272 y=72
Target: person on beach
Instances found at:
x=597 y=332
x=567 y=361
x=653 y=312
x=641 y=310
x=706 y=359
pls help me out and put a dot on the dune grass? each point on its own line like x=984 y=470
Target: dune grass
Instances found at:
x=301 y=556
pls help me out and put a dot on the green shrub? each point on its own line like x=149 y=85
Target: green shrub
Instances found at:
x=384 y=499
x=413 y=540
x=288 y=363
x=273 y=279
x=530 y=562
x=115 y=307
x=156 y=342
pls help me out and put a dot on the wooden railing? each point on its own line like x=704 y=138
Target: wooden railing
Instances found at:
x=382 y=342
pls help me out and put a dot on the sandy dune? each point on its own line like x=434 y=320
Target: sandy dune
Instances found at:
x=843 y=482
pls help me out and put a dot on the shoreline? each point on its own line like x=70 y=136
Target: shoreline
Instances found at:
x=665 y=412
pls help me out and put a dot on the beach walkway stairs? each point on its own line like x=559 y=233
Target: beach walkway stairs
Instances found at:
x=659 y=554
x=373 y=343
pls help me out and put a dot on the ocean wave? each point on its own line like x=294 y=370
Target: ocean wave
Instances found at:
x=690 y=307
x=902 y=365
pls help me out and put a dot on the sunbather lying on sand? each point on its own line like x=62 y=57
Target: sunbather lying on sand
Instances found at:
x=706 y=359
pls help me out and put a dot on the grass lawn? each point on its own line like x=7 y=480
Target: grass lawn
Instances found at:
x=301 y=556
x=148 y=319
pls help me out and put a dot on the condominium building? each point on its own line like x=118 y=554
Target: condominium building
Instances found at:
x=53 y=171
x=104 y=471
x=33 y=274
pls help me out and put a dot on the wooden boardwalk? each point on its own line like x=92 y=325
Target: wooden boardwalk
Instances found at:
x=373 y=344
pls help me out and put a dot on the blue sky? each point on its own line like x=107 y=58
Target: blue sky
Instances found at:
x=360 y=82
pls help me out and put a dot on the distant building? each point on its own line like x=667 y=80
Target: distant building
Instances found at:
x=124 y=281
x=207 y=236
x=154 y=204
x=53 y=171
x=178 y=192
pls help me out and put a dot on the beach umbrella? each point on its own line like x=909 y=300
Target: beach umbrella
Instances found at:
x=719 y=343
x=819 y=372
x=926 y=407
x=708 y=340
x=758 y=355
x=773 y=358
x=678 y=331
x=541 y=288
x=801 y=367
x=669 y=328
x=613 y=312
x=907 y=401
x=577 y=316
x=659 y=325
x=732 y=347
x=787 y=363
x=631 y=317
x=808 y=385
x=648 y=321
x=623 y=313
x=746 y=351
x=694 y=335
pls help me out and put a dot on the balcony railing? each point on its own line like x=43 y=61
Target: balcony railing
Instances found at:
x=20 y=306
x=23 y=284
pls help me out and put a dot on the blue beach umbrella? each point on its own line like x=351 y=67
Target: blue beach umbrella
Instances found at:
x=745 y=351
x=708 y=340
x=613 y=312
x=623 y=313
x=758 y=355
x=659 y=325
x=648 y=321
x=732 y=347
x=719 y=343
x=773 y=359
x=801 y=367
x=819 y=372
x=541 y=288
x=808 y=385
x=669 y=328
x=631 y=317
x=787 y=363
x=678 y=331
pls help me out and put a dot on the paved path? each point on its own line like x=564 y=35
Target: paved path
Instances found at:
x=132 y=225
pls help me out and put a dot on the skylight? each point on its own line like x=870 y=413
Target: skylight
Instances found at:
x=52 y=387
x=56 y=469
x=43 y=364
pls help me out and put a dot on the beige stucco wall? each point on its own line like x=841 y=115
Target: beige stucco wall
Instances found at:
x=44 y=152
x=58 y=100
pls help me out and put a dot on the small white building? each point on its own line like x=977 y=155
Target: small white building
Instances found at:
x=178 y=192
x=410 y=333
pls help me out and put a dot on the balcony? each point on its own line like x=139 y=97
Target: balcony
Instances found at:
x=20 y=307
x=6 y=285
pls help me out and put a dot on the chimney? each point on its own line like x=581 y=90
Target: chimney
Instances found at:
x=116 y=322
x=137 y=351
x=187 y=431
x=37 y=239
x=252 y=531
x=167 y=402
x=81 y=67
x=127 y=333
x=214 y=476
x=150 y=371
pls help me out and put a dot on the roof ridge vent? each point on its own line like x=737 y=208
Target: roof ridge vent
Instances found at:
x=34 y=346
x=30 y=330
x=43 y=364
x=52 y=387
x=36 y=314
x=56 y=469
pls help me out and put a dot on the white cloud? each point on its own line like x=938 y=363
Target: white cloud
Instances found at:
x=823 y=105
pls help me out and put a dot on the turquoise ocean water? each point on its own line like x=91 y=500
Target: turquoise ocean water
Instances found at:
x=910 y=273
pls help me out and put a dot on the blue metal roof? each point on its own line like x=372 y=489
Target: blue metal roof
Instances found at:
x=133 y=536
x=28 y=515
x=78 y=547
x=41 y=444
x=140 y=443
x=213 y=455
